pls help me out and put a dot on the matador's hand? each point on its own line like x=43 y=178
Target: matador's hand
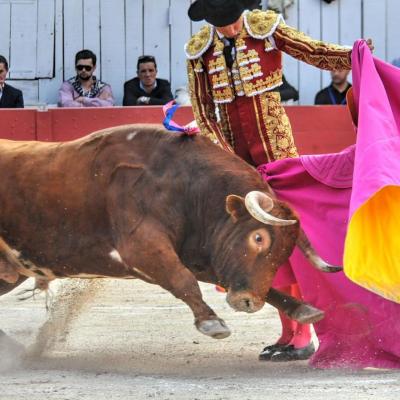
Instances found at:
x=370 y=45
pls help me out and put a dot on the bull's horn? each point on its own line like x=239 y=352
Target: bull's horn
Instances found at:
x=305 y=246
x=258 y=204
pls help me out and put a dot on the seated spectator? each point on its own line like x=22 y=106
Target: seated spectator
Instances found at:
x=10 y=97
x=335 y=93
x=396 y=62
x=288 y=93
x=146 y=88
x=84 y=89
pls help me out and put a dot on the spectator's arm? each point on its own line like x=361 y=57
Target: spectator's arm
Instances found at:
x=130 y=98
x=319 y=99
x=287 y=91
x=165 y=97
x=315 y=52
x=66 y=96
x=104 y=99
x=19 y=101
x=203 y=105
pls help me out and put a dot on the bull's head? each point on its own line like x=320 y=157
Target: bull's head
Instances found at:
x=259 y=237
x=262 y=237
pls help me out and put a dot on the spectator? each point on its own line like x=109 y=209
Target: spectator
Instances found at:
x=396 y=62
x=10 y=97
x=146 y=88
x=288 y=93
x=335 y=93
x=84 y=89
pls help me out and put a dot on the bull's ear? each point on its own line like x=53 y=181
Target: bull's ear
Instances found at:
x=235 y=206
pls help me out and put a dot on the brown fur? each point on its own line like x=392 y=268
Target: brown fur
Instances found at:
x=157 y=198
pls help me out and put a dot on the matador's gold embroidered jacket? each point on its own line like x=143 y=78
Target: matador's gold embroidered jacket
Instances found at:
x=252 y=121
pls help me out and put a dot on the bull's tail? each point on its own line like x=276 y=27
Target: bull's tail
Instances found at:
x=305 y=246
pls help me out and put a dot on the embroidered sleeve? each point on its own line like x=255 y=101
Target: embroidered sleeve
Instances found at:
x=315 y=52
x=203 y=104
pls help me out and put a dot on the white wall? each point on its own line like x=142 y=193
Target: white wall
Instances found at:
x=41 y=37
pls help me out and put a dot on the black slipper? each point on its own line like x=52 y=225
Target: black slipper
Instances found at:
x=268 y=351
x=290 y=353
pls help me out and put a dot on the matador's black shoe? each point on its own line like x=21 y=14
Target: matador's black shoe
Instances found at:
x=268 y=351
x=290 y=353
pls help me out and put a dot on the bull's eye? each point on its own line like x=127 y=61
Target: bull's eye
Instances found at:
x=258 y=238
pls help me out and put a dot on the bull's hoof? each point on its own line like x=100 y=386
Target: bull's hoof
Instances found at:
x=215 y=328
x=307 y=314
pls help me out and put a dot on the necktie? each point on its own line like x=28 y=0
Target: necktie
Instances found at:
x=228 y=52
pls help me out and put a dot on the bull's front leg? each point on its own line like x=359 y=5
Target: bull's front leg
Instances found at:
x=294 y=308
x=156 y=262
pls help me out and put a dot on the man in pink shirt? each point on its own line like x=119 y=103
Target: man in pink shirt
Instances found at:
x=84 y=89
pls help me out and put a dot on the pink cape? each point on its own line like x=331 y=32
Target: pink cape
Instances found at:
x=372 y=246
x=376 y=95
x=361 y=329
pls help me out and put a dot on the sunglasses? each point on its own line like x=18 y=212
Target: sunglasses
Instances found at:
x=87 y=68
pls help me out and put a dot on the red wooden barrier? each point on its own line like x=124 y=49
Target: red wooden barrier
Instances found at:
x=317 y=129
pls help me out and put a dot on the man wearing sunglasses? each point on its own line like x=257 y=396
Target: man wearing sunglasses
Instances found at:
x=10 y=97
x=84 y=89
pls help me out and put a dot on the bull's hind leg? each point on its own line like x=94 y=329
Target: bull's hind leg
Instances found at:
x=6 y=287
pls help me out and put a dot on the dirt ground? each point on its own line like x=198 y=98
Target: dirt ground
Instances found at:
x=135 y=341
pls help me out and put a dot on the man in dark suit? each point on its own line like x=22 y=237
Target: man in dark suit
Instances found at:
x=335 y=93
x=146 y=88
x=10 y=97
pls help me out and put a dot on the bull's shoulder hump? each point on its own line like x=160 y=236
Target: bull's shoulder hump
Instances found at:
x=261 y=24
x=200 y=42
x=127 y=132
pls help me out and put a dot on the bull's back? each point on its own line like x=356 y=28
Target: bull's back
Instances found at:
x=44 y=203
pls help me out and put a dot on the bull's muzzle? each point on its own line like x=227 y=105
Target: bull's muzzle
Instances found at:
x=244 y=301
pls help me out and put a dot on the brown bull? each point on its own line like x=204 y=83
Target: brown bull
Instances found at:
x=139 y=202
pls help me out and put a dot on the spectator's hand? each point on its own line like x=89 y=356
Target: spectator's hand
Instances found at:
x=370 y=45
x=104 y=95
x=80 y=99
x=143 y=100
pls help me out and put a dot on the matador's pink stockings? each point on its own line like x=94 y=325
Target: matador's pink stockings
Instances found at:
x=294 y=333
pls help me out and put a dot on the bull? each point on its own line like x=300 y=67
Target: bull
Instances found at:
x=139 y=202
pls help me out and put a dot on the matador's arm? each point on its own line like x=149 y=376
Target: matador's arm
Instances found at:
x=315 y=52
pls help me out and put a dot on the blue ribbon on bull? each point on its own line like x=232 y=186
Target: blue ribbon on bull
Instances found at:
x=169 y=110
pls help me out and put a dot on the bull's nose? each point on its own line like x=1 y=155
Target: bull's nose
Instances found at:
x=246 y=305
x=244 y=302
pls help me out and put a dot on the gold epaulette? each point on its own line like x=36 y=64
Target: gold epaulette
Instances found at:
x=261 y=24
x=200 y=42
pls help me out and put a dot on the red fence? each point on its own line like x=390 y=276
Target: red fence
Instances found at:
x=317 y=129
